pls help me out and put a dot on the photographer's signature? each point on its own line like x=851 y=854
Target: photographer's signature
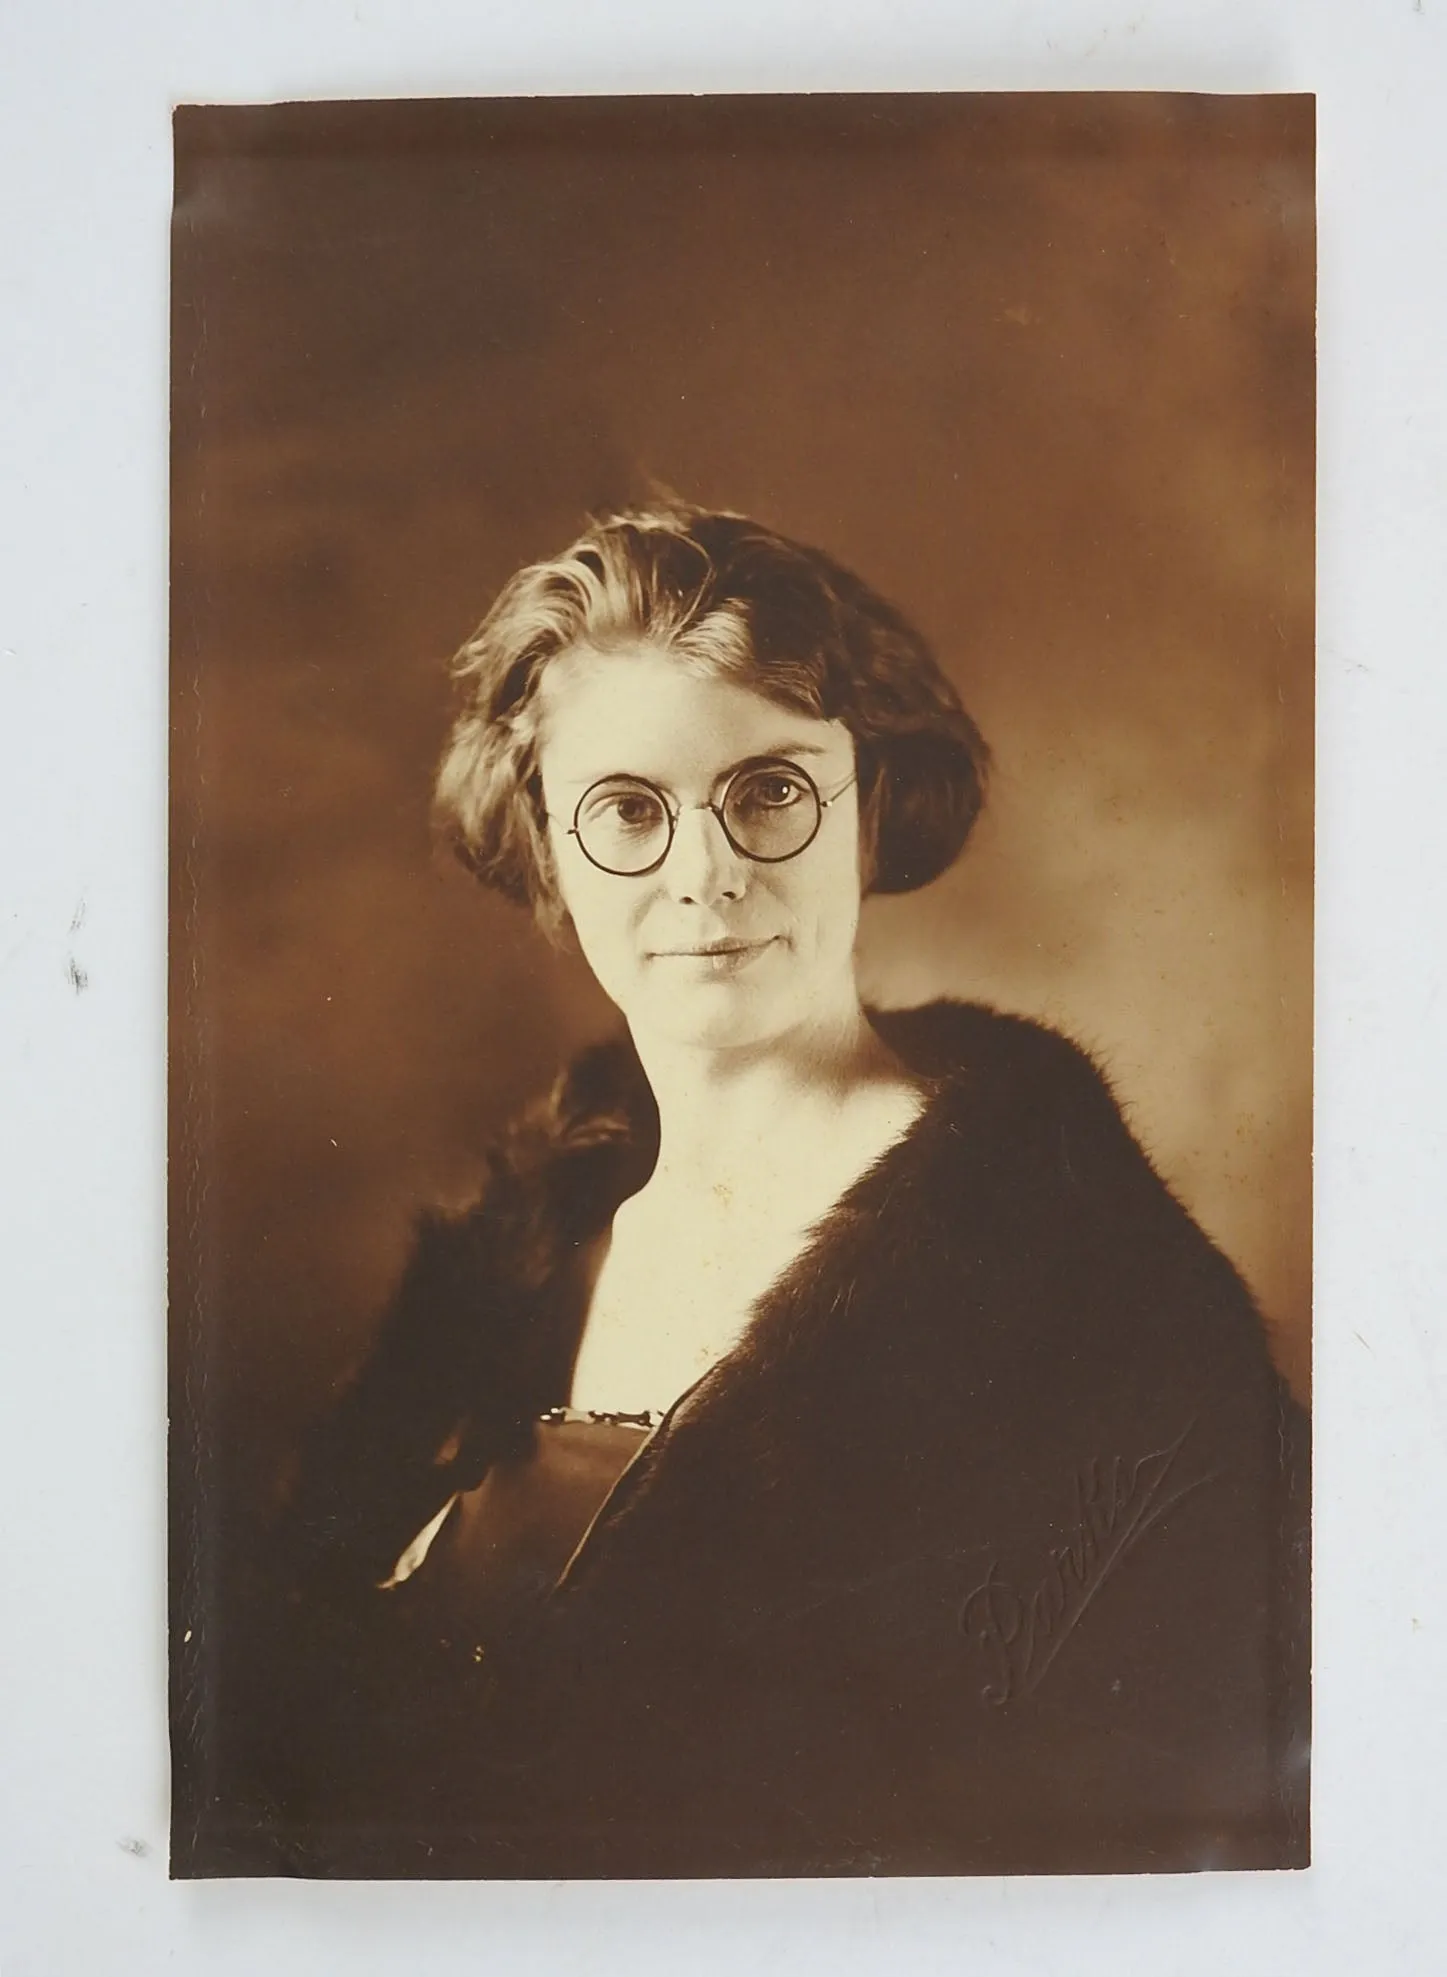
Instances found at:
x=1021 y=1632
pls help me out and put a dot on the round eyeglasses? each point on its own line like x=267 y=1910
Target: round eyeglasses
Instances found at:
x=769 y=811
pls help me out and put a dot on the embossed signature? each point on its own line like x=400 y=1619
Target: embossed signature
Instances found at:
x=1022 y=1632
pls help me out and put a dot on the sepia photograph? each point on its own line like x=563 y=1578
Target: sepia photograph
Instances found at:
x=740 y=1187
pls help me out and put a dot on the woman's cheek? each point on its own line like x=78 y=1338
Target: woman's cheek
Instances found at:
x=614 y=948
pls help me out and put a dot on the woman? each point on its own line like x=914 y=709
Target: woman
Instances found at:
x=826 y=1446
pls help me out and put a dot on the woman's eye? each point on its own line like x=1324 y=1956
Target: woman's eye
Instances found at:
x=773 y=789
x=627 y=809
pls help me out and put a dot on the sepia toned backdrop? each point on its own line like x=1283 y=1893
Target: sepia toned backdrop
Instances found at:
x=1040 y=368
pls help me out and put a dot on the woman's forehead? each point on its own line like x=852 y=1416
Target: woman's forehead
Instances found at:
x=642 y=712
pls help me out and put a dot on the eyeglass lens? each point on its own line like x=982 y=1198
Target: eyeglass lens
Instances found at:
x=770 y=812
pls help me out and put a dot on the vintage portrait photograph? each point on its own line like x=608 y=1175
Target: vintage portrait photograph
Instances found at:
x=740 y=1192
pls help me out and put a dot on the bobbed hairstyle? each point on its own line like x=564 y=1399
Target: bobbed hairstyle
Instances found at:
x=730 y=599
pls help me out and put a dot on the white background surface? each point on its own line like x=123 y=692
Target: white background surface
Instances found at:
x=85 y=92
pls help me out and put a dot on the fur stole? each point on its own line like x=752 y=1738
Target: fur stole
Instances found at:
x=979 y=1552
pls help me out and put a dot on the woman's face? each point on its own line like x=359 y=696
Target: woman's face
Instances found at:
x=713 y=948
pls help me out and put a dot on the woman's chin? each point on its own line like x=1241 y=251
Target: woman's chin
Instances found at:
x=721 y=1015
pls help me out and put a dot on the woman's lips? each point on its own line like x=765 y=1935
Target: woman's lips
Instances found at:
x=716 y=957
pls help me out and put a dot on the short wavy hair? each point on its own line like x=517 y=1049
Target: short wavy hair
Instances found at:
x=730 y=599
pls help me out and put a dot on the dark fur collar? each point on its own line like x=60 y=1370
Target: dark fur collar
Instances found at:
x=1016 y=1218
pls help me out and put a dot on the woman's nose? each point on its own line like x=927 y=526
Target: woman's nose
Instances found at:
x=702 y=866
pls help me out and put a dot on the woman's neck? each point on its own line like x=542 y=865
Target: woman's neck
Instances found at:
x=730 y=1119
x=756 y=1147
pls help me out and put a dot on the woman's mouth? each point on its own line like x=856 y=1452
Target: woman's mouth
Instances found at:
x=716 y=957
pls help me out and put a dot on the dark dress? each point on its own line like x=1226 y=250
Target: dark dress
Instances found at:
x=503 y=1546
x=984 y=1551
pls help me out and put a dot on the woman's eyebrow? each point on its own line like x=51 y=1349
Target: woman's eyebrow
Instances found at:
x=785 y=748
